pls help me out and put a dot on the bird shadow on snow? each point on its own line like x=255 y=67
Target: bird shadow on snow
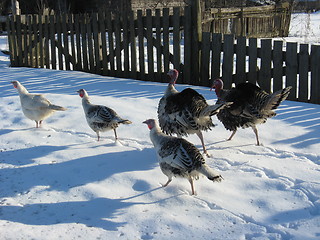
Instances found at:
x=64 y=176
x=303 y=115
x=69 y=174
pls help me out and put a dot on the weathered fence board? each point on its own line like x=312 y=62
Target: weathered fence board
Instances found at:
x=145 y=47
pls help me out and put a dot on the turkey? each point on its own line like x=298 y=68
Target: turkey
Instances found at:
x=185 y=112
x=178 y=157
x=251 y=105
x=100 y=118
x=35 y=106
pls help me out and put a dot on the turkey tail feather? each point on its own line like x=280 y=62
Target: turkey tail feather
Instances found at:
x=57 y=108
x=210 y=173
x=125 y=122
x=214 y=109
x=277 y=97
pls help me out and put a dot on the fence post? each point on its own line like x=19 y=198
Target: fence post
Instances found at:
x=195 y=40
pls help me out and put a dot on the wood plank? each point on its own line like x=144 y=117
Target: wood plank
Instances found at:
x=292 y=69
x=102 y=26
x=117 y=30
x=59 y=40
x=126 y=40
x=110 y=43
x=205 y=58
x=77 y=32
x=315 y=74
x=35 y=41
x=241 y=60
x=65 y=42
x=228 y=59
x=11 y=40
x=265 y=68
x=176 y=38
x=149 y=36
x=216 y=55
x=19 y=41
x=71 y=27
x=133 y=47
x=92 y=66
x=96 y=43
x=166 y=43
x=187 y=46
x=41 y=40
x=84 y=42
x=46 y=42
x=253 y=62
x=52 y=42
x=277 y=59
x=30 y=40
x=141 y=45
x=157 y=43
x=303 y=92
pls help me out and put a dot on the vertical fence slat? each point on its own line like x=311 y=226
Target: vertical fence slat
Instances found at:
x=303 y=93
x=166 y=43
x=46 y=42
x=110 y=43
x=65 y=41
x=35 y=44
x=77 y=32
x=149 y=37
x=187 y=45
x=240 y=60
x=133 y=47
x=103 y=33
x=315 y=74
x=158 y=46
x=216 y=56
x=265 y=68
x=72 y=40
x=176 y=38
x=53 y=42
x=228 y=59
x=10 y=40
x=277 y=59
x=97 y=43
x=19 y=41
x=292 y=69
x=59 y=42
x=253 y=64
x=84 y=44
x=40 y=39
x=205 y=58
x=141 y=45
x=92 y=66
x=126 y=41
x=117 y=30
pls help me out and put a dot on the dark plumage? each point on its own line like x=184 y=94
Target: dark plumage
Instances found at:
x=178 y=157
x=251 y=105
x=185 y=112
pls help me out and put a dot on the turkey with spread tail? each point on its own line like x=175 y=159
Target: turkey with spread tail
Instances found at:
x=185 y=112
x=178 y=157
x=100 y=118
x=251 y=105
x=35 y=106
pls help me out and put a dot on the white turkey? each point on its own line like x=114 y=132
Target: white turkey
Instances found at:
x=100 y=118
x=185 y=112
x=35 y=106
x=251 y=105
x=178 y=157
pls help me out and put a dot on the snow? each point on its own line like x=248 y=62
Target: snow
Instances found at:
x=58 y=182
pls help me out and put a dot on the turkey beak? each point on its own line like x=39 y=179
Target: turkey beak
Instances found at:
x=145 y=122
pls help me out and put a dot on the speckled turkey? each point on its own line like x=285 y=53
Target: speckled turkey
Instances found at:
x=100 y=118
x=251 y=105
x=185 y=112
x=178 y=157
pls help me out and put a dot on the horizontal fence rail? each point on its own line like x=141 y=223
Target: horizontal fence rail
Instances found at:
x=145 y=47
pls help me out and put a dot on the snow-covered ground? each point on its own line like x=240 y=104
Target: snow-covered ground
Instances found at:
x=58 y=182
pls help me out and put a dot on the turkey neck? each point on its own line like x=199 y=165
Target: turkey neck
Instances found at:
x=22 y=90
x=156 y=135
x=170 y=90
x=85 y=102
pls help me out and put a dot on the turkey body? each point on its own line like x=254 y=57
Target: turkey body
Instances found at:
x=185 y=112
x=35 y=106
x=179 y=158
x=100 y=118
x=251 y=105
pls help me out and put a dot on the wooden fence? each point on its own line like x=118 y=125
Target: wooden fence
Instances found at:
x=146 y=47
